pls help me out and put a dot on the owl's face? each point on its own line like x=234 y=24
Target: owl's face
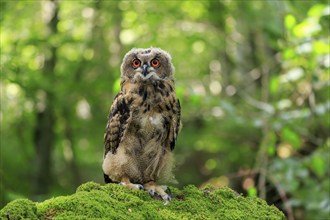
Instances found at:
x=145 y=65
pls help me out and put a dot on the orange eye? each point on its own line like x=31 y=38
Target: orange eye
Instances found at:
x=136 y=63
x=155 y=62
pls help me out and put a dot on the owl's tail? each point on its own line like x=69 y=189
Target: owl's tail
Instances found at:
x=107 y=179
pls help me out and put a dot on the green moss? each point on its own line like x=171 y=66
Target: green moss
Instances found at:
x=19 y=209
x=113 y=201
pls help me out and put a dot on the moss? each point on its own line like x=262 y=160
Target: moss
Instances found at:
x=19 y=209
x=113 y=201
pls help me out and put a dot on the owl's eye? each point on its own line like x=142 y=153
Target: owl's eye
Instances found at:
x=155 y=62
x=136 y=63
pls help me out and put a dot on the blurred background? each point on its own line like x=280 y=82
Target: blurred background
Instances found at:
x=252 y=77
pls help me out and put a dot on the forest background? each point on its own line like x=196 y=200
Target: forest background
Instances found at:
x=252 y=77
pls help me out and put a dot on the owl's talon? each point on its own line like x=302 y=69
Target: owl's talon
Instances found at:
x=151 y=192
x=139 y=186
x=166 y=197
x=132 y=185
x=157 y=191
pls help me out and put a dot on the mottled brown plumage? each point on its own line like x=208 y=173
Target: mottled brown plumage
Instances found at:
x=143 y=124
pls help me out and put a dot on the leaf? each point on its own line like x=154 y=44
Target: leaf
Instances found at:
x=317 y=10
x=290 y=21
x=291 y=137
x=318 y=166
x=274 y=84
x=288 y=54
x=252 y=191
x=307 y=28
x=320 y=47
x=271 y=150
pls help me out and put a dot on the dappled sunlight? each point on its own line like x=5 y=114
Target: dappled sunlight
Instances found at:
x=12 y=91
x=198 y=47
x=83 y=109
x=230 y=90
x=127 y=36
x=215 y=87
x=284 y=150
x=67 y=150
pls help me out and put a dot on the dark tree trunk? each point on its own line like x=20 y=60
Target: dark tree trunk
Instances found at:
x=44 y=137
x=44 y=142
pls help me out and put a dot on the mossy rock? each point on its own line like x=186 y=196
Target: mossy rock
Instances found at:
x=112 y=201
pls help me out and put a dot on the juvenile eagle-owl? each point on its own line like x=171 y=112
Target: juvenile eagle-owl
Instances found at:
x=143 y=123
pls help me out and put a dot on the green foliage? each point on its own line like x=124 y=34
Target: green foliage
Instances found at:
x=293 y=175
x=92 y=200
x=252 y=78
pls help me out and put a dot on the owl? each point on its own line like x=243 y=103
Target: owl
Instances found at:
x=143 y=123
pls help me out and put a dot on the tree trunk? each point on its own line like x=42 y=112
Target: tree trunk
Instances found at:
x=44 y=137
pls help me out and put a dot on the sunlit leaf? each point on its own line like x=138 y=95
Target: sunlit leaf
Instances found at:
x=307 y=28
x=317 y=10
x=320 y=47
x=290 y=21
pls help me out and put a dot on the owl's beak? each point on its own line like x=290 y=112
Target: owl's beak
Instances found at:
x=145 y=70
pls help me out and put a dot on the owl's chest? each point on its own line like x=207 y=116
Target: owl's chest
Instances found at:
x=150 y=121
x=147 y=127
x=151 y=108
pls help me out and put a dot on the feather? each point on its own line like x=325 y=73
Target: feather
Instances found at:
x=177 y=122
x=118 y=121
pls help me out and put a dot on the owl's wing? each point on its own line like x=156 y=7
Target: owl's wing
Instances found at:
x=176 y=122
x=119 y=118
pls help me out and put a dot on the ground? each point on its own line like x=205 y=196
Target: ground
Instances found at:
x=113 y=201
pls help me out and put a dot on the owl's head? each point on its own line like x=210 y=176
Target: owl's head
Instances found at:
x=144 y=65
